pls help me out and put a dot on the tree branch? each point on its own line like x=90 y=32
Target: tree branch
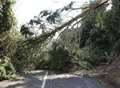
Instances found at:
x=43 y=37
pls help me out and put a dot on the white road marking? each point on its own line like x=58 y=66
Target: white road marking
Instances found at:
x=44 y=80
x=62 y=76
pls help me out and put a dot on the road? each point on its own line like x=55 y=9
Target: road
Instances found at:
x=43 y=79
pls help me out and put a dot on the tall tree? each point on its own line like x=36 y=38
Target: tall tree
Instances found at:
x=90 y=36
x=8 y=36
x=7 y=28
x=112 y=24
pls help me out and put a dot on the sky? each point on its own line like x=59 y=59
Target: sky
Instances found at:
x=26 y=9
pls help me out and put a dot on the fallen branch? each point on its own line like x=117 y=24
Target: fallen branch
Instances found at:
x=47 y=35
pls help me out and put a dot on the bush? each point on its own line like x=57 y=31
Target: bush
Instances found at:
x=88 y=58
x=57 y=59
x=7 y=70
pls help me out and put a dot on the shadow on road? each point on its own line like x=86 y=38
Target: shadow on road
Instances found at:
x=29 y=81
x=34 y=80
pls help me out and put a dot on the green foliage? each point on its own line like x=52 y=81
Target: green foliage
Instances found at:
x=7 y=70
x=112 y=25
x=6 y=17
x=56 y=59
x=59 y=59
x=87 y=46
x=46 y=21
x=100 y=32
x=95 y=36
x=25 y=31
x=8 y=39
x=7 y=29
x=92 y=38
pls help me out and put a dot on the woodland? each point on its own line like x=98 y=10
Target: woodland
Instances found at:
x=85 y=42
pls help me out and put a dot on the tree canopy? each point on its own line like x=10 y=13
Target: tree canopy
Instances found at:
x=84 y=38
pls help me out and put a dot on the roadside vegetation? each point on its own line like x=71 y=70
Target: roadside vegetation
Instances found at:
x=86 y=43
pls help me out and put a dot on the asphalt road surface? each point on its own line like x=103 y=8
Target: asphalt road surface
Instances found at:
x=42 y=79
